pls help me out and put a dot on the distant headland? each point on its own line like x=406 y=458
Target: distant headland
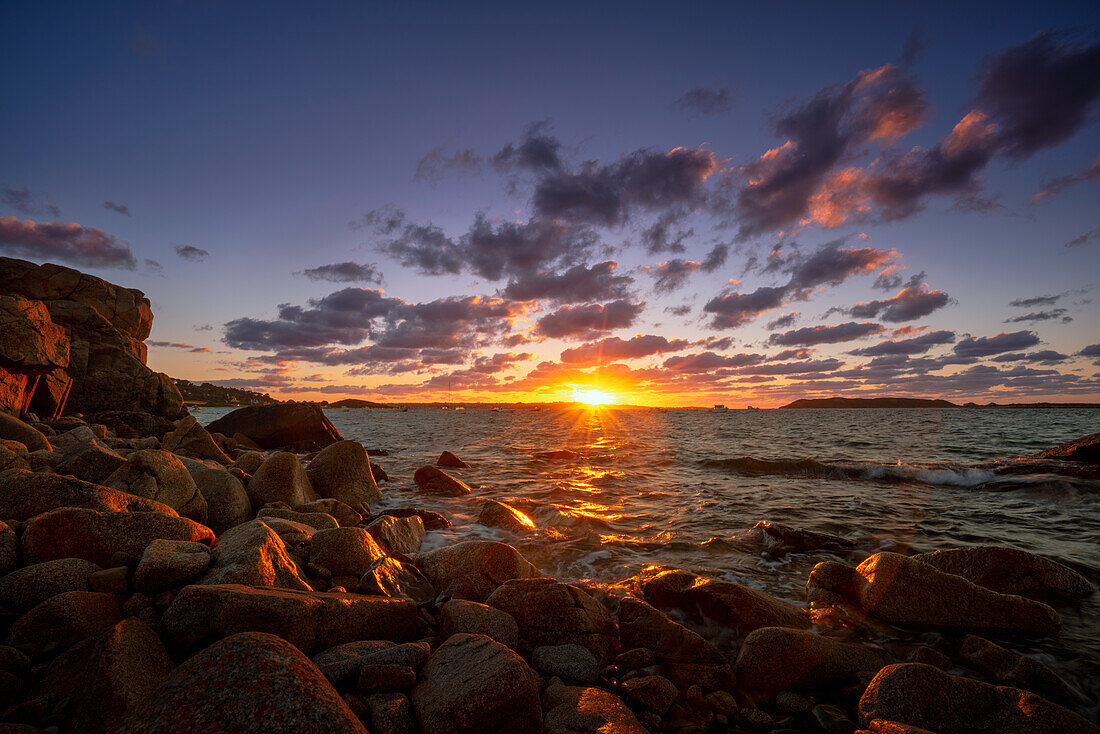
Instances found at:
x=838 y=402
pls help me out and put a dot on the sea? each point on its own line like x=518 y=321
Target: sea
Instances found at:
x=683 y=487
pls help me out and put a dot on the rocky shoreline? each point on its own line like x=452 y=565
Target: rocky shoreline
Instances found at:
x=160 y=576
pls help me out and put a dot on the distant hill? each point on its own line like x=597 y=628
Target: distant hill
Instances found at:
x=870 y=403
x=216 y=396
x=354 y=403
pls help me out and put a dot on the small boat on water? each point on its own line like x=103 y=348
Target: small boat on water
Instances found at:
x=720 y=408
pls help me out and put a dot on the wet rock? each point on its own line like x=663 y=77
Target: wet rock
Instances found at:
x=568 y=662
x=473 y=618
x=13 y=429
x=906 y=592
x=473 y=684
x=739 y=607
x=170 y=563
x=431 y=480
x=473 y=569
x=300 y=426
x=398 y=534
x=375 y=677
x=451 y=461
x=67 y=618
x=345 y=551
x=227 y=503
x=549 y=612
x=281 y=478
x=1011 y=571
x=189 y=438
x=245 y=683
x=253 y=554
x=1016 y=670
x=31 y=585
x=316 y=520
x=783 y=538
x=391 y=713
x=688 y=658
x=398 y=579
x=158 y=475
x=344 y=515
x=577 y=710
x=91 y=462
x=24 y=495
x=432 y=520
x=341 y=664
x=652 y=692
x=778 y=658
x=926 y=697
x=379 y=473
x=1084 y=449
x=342 y=471
x=97 y=536
x=312 y=621
x=499 y=515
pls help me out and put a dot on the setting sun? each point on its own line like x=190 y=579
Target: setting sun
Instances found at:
x=592 y=396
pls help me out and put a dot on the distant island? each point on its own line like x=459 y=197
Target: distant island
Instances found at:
x=215 y=396
x=838 y=402
x=356 y=403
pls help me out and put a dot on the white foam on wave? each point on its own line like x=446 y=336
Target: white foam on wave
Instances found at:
x=943 y=476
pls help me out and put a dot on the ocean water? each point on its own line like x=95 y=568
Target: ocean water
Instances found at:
x=683 y=486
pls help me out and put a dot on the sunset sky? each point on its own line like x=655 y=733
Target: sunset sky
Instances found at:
x=676 y=203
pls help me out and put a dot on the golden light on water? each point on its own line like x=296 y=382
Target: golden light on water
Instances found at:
x=592 y=396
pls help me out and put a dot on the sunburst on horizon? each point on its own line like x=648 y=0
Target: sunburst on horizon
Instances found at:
x=592 y=396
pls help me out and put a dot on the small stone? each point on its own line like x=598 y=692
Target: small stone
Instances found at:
x=930 y=656
x=471 y=617
x=569 y=662
x=792 y=704
x=756 y=718
x=374 y=677
x=390 y=713
x=432 y=480
x=449 y=460
x=832 y=719
x=722 y=703
x=109 y=580
x=639 y=657
x=654 y=692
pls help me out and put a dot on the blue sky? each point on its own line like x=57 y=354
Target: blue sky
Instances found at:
x=257 y=132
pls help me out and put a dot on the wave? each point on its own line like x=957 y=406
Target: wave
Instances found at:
x=948 y=475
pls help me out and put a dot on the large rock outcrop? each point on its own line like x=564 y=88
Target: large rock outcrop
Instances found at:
x=31 y=346
x=106 y=326
x=296 y=426
x=905 y=592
